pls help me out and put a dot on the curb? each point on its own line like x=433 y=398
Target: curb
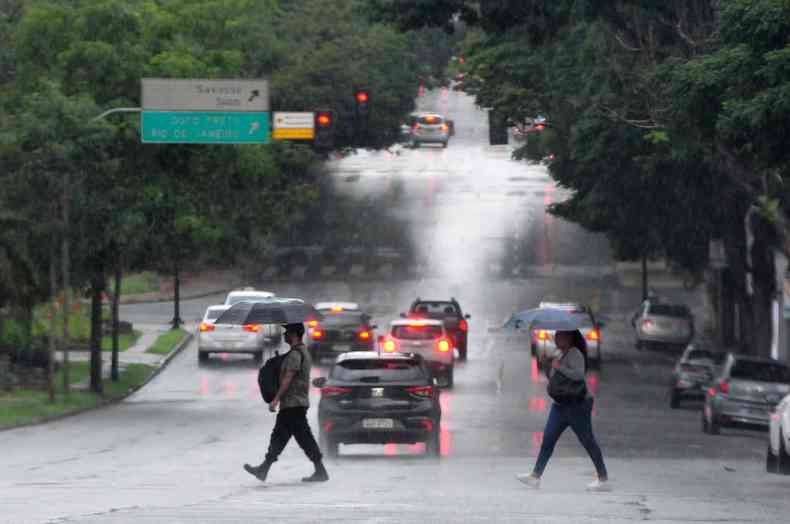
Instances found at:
x=135 y=301
x=105 y=403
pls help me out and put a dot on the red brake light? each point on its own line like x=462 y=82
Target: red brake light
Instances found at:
x=389 y=346
x=206 y=327
x=724 y=387
x=443 y=346
x=416 y=323
x=427 y=425
x=421 y=391
x=334 y=391
x=324 y=120
x=312 y=323
x=317 y=334
x=542 y=335
x=463 y=325
x=364 y=335
x=445 y=127
x=252 y=328
x=362 y=97
x=647 y=323
x=711 y=392
x=594 y=336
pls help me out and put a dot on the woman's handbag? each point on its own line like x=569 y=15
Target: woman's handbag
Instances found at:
x=564 y=390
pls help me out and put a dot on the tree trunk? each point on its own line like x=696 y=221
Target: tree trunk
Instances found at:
x=177 y=297
x=97 y=289
x=53 y=290
x=116 y=298
x=65 y=248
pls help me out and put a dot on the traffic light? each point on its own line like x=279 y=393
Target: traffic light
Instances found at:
x=362 y=99
x=324 y=130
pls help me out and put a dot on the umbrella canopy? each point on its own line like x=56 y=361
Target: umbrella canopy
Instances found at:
x=279 y=311
x=549 y=319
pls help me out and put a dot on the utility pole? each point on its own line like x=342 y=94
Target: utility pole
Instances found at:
x=65 y=267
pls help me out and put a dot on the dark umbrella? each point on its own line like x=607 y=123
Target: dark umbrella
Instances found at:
x=279 y=311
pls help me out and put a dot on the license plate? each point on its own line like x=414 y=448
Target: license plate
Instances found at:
x=378 y=423
x=342 y=347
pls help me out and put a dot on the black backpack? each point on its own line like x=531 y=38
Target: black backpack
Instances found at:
x=269 y=376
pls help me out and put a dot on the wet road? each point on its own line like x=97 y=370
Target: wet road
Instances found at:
x=173 y=451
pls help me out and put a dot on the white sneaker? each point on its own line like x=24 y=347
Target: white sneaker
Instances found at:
x=599 y=486
x=529 y=480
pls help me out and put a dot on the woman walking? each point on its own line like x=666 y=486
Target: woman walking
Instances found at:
x=572 y=407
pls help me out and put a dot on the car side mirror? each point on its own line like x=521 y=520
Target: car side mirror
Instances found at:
x=319 y=382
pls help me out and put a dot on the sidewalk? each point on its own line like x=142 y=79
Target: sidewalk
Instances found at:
x=136 y=354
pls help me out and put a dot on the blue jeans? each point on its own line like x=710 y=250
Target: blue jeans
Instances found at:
x=579 y=418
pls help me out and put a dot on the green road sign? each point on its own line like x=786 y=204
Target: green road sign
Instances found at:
x=205 y=127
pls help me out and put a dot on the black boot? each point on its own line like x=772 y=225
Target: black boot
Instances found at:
x=259 y=472
x=320 y=474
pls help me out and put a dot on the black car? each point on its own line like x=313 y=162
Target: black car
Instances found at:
x=449 y=312
x=344 y=328
x=372 y=398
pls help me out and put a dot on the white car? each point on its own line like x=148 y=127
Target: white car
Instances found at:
x=248 y=294
x=542 y=340
x=336 y=306
x=778 y=457
x=425 y=337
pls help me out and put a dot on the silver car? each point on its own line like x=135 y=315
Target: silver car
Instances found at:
x=425 y=337
x=542 y=340
x=693 y=373
x=745 y=390
x=662 y=324
x=430 y=128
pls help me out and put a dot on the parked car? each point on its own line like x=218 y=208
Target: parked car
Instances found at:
x=542 y=340
x=693 y=373
x=344 y=328
x=425 y=337
x=659 y=324
x=745 y=390
x=374 y=398
x=778 y=457
x=456 y=323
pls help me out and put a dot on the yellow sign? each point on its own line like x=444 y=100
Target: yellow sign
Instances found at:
x=293 y=134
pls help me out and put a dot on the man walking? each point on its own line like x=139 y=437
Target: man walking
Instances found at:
x=293 y=398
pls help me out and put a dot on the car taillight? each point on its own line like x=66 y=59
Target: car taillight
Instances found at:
x=463 y=325
x=542 y=334
x=724 y=387
x=389 y=346
x=317 y=334
x=312 y=323
x=445 y=127
x=443 y=346
x=252 y=328
x=206 y=327
x=427 y=425
x=593 y=336
x=421 y=391
x=334 y=391
x=647 y=323
x=364 y=335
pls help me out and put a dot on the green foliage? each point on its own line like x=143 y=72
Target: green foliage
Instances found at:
x=167 y=342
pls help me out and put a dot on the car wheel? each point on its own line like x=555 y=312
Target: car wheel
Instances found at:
x=434 y=445
x=450 y=377
x=330 y=446
x=784 y=455
x=203 y=356
x=444 y=145
x=674 y=400
x=771 y=461
x=714 y=428
x=462 y=353
x=705 y=428
x=595 y=363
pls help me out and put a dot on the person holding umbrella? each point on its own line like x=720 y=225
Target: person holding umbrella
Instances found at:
x=293 y=399
x=572 y=404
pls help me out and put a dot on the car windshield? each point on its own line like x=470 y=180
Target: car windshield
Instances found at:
x=212 y=314
x=417 y=332
x=381 y=369
x=436 y=308
x=761 y=371
x=668 y=310
x=431 y=120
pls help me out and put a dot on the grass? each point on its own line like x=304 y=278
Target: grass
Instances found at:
x=138 y=283
x=167 y=342
x=24 y=406
x=125 y=341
